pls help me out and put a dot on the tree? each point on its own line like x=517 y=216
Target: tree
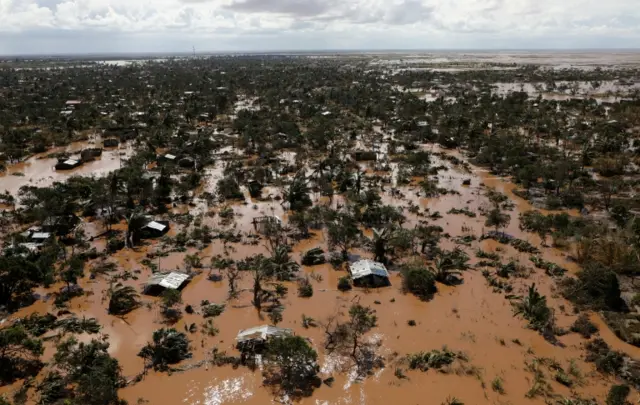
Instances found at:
x=168 y=347
x=275 y=316
x=496 y=218
x=123 y=300
x=534 y=309
x=280 y=265
x=291 y=364
x=19 y=354
x=343 y=233
x=362 y=320
x=73 y=269
x=171 y=298
x=448 y=265
x=297 y=194
x=135 y=222
x=94 y=375
x=18 y=277
x=418 y=280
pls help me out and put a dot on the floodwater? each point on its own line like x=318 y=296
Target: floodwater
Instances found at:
x=39 y=170
x=469 y=317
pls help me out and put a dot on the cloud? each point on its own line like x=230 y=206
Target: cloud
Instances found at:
x=299 y=8
x=32 y=26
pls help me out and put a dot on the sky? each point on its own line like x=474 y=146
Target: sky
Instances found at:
x=130 y=26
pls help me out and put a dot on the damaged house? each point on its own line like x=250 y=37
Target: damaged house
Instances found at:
x=367 y=273
x=159 y=282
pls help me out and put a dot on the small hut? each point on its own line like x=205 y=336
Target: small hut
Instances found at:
x=155 y=229
x=253 y=340
x=67 y=164
x=159 y=282
x=367 y=273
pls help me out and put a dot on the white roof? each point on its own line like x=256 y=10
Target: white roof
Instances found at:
x=363 y=268
x=261 y=333
x=71 y=162
x=169 y=156
x=156 y=225
x=41 y=235
x=172 y=280
x=326 y=113
x=31 y=246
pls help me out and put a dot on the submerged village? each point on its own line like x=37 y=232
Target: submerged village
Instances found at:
x=320 y=229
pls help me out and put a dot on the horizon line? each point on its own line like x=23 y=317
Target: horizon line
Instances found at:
x=276 y=52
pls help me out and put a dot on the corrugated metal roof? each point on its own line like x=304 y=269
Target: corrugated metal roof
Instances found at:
x=169 y=156
x=171 y=281
x=156 y=225
x=364 y=268
x=41 y=235
x=71 y=162
x=261 y=333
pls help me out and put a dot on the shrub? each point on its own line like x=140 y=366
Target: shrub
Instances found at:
x=212 y=310
x=305 y=289
x=418 y=280
x=168 y=347
x=596 y=288
x=435 y=359
x=313 y=257
x=344 y=284
x=618 y=395
x=606 y=360
x=584 y=326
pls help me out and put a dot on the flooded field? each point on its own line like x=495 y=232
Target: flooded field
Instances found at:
x=39 y=170
x=469 y=317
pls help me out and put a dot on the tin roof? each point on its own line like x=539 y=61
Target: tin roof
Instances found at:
x=171 y=281
x=41 y=235
x=156 y=225
x=261 y=333
x=71 y=162
x=364 y=268
x=169 y=156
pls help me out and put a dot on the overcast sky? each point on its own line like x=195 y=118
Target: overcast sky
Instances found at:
x=99 y=26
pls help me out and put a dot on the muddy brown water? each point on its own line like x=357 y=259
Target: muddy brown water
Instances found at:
x=469 y=317
x=39 y=171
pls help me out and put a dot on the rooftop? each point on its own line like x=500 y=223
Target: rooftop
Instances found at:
x=261 y=333
x=171 y=281
x=156 y=225
x=364 y=268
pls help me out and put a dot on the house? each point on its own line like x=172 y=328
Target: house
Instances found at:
x=361 y=156
x=266 y=223
x=111 y=142
x=168 y=157
x=73 y=103
x=60 y=225
x=159 y=282
x=187 y=162
x=39 y=237
x=87 y=155
x=253 y=339
x=67 y=164
x=369 y=274
x=155 y=229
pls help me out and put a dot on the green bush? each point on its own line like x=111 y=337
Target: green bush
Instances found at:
x=344 y=284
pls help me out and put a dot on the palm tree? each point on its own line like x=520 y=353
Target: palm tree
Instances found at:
x=135 y=222
x=449 y=265
x=123 y=300
x=280 y=264
x=534 y=309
